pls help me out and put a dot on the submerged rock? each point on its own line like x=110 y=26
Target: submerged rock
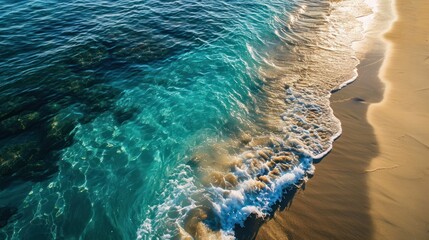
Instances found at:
x=98 y=98
x=18 y=123
x=58 y=131
x=16 y=155
x=87 y=55
x=5 y=214
x=14 y=105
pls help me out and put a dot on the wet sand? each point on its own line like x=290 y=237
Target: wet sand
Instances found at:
x=398 y=183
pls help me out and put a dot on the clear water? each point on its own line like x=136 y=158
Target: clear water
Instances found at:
x=128 y=119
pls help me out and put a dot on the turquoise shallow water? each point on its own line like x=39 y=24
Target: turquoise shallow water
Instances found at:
x=116 y=114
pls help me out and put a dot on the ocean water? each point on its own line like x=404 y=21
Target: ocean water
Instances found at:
x=164 y=119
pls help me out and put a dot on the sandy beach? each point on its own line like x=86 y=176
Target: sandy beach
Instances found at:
x=372 y=185
x=400 y=178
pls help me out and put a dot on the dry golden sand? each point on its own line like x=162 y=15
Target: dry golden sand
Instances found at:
x=399 y=182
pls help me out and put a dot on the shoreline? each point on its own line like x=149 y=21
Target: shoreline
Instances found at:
x=336 y=204
x=400 y=173
x=322 y=210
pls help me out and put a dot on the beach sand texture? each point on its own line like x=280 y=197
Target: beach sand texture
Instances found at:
x=373 y=185
x=399 y=180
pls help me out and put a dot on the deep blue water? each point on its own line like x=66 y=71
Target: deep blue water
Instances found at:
x=104 y=105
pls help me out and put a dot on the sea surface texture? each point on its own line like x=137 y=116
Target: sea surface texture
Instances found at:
x=164 y=119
